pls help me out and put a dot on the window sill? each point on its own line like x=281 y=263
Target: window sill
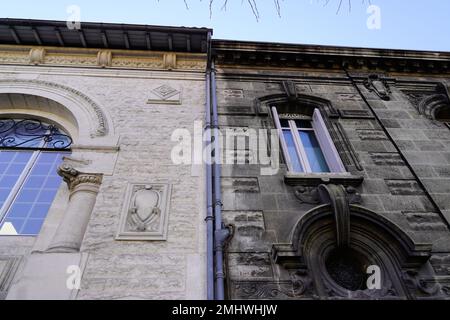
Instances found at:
x=315 y=179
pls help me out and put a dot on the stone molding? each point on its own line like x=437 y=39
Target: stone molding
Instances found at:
x=103 y=125
x=153 y=60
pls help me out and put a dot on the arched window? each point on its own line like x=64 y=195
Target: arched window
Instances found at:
x=306 y=143
x=30 y=153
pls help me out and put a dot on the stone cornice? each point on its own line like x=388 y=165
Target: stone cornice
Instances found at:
x=274 y=55
x=102 y=58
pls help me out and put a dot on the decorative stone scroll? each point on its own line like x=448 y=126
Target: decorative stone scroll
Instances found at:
x=145 y=212
x=340 y=198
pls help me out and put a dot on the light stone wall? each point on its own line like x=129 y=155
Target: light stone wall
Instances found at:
x=172 y=269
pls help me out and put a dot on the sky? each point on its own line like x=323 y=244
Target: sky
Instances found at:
x=394 y=24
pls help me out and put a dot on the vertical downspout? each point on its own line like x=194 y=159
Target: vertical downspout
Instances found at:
x=209 y=186
x=221 y=234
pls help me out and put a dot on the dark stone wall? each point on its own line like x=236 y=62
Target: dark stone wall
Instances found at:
x=403 y=156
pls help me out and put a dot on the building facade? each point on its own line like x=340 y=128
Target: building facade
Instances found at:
x=125 y=217
x=363 y=185
x=334 y=179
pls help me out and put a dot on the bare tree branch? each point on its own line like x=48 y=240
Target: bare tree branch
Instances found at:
x=253 y=4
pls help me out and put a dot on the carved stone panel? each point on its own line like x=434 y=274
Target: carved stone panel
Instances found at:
x=265 y=290
x=378 y=85
x=165 y=94
x=145 y=212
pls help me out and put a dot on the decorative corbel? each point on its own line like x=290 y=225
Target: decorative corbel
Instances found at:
x=104 y=58
x=339 y=198
x=170 y=61
x=37 y=56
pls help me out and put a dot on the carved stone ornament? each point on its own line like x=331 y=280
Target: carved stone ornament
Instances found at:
x=422 y=286
x=37 y=56
x=104 y=58
x=165 y=94
x=380 y=86
x=340 y=198
x=74 y=178
x=429 y=102
x=310 y=195
x=170 y=61
x=145 y=212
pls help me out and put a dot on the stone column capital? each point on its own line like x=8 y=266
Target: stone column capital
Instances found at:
x=75 y=178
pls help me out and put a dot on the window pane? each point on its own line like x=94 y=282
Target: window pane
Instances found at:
x=314 y=153
x=12 y=164
x=34 y=199
x=303 y=124
x=295 y=160
x=284 y=123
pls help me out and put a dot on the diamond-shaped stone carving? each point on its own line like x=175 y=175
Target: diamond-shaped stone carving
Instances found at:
x=165 y=92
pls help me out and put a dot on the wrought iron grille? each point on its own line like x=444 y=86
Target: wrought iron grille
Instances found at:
x=31 y=133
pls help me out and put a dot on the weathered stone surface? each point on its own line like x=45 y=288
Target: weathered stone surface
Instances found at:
x=372 y=135
x=426 y=221
x=240 y=185
x=404 y=187
x=387 y=159
x=250 y=266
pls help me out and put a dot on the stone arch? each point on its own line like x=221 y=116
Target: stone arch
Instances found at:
x=402 y=261
x=431 y=105
x=82 y=117
x=299 y=103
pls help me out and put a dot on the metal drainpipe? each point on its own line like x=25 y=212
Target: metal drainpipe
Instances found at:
x=209 y=197
x=209 y=185
x=221 y=234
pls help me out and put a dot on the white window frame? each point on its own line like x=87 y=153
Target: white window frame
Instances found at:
x=327 y=146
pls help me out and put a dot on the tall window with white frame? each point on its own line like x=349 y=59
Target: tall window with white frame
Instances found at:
x=30 y=153
x=306 y=143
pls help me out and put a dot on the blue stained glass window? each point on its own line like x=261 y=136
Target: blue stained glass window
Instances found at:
x=12 y=164
x=30 y=152
x=26 y=215
x=294 y=157
x=313 y=151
